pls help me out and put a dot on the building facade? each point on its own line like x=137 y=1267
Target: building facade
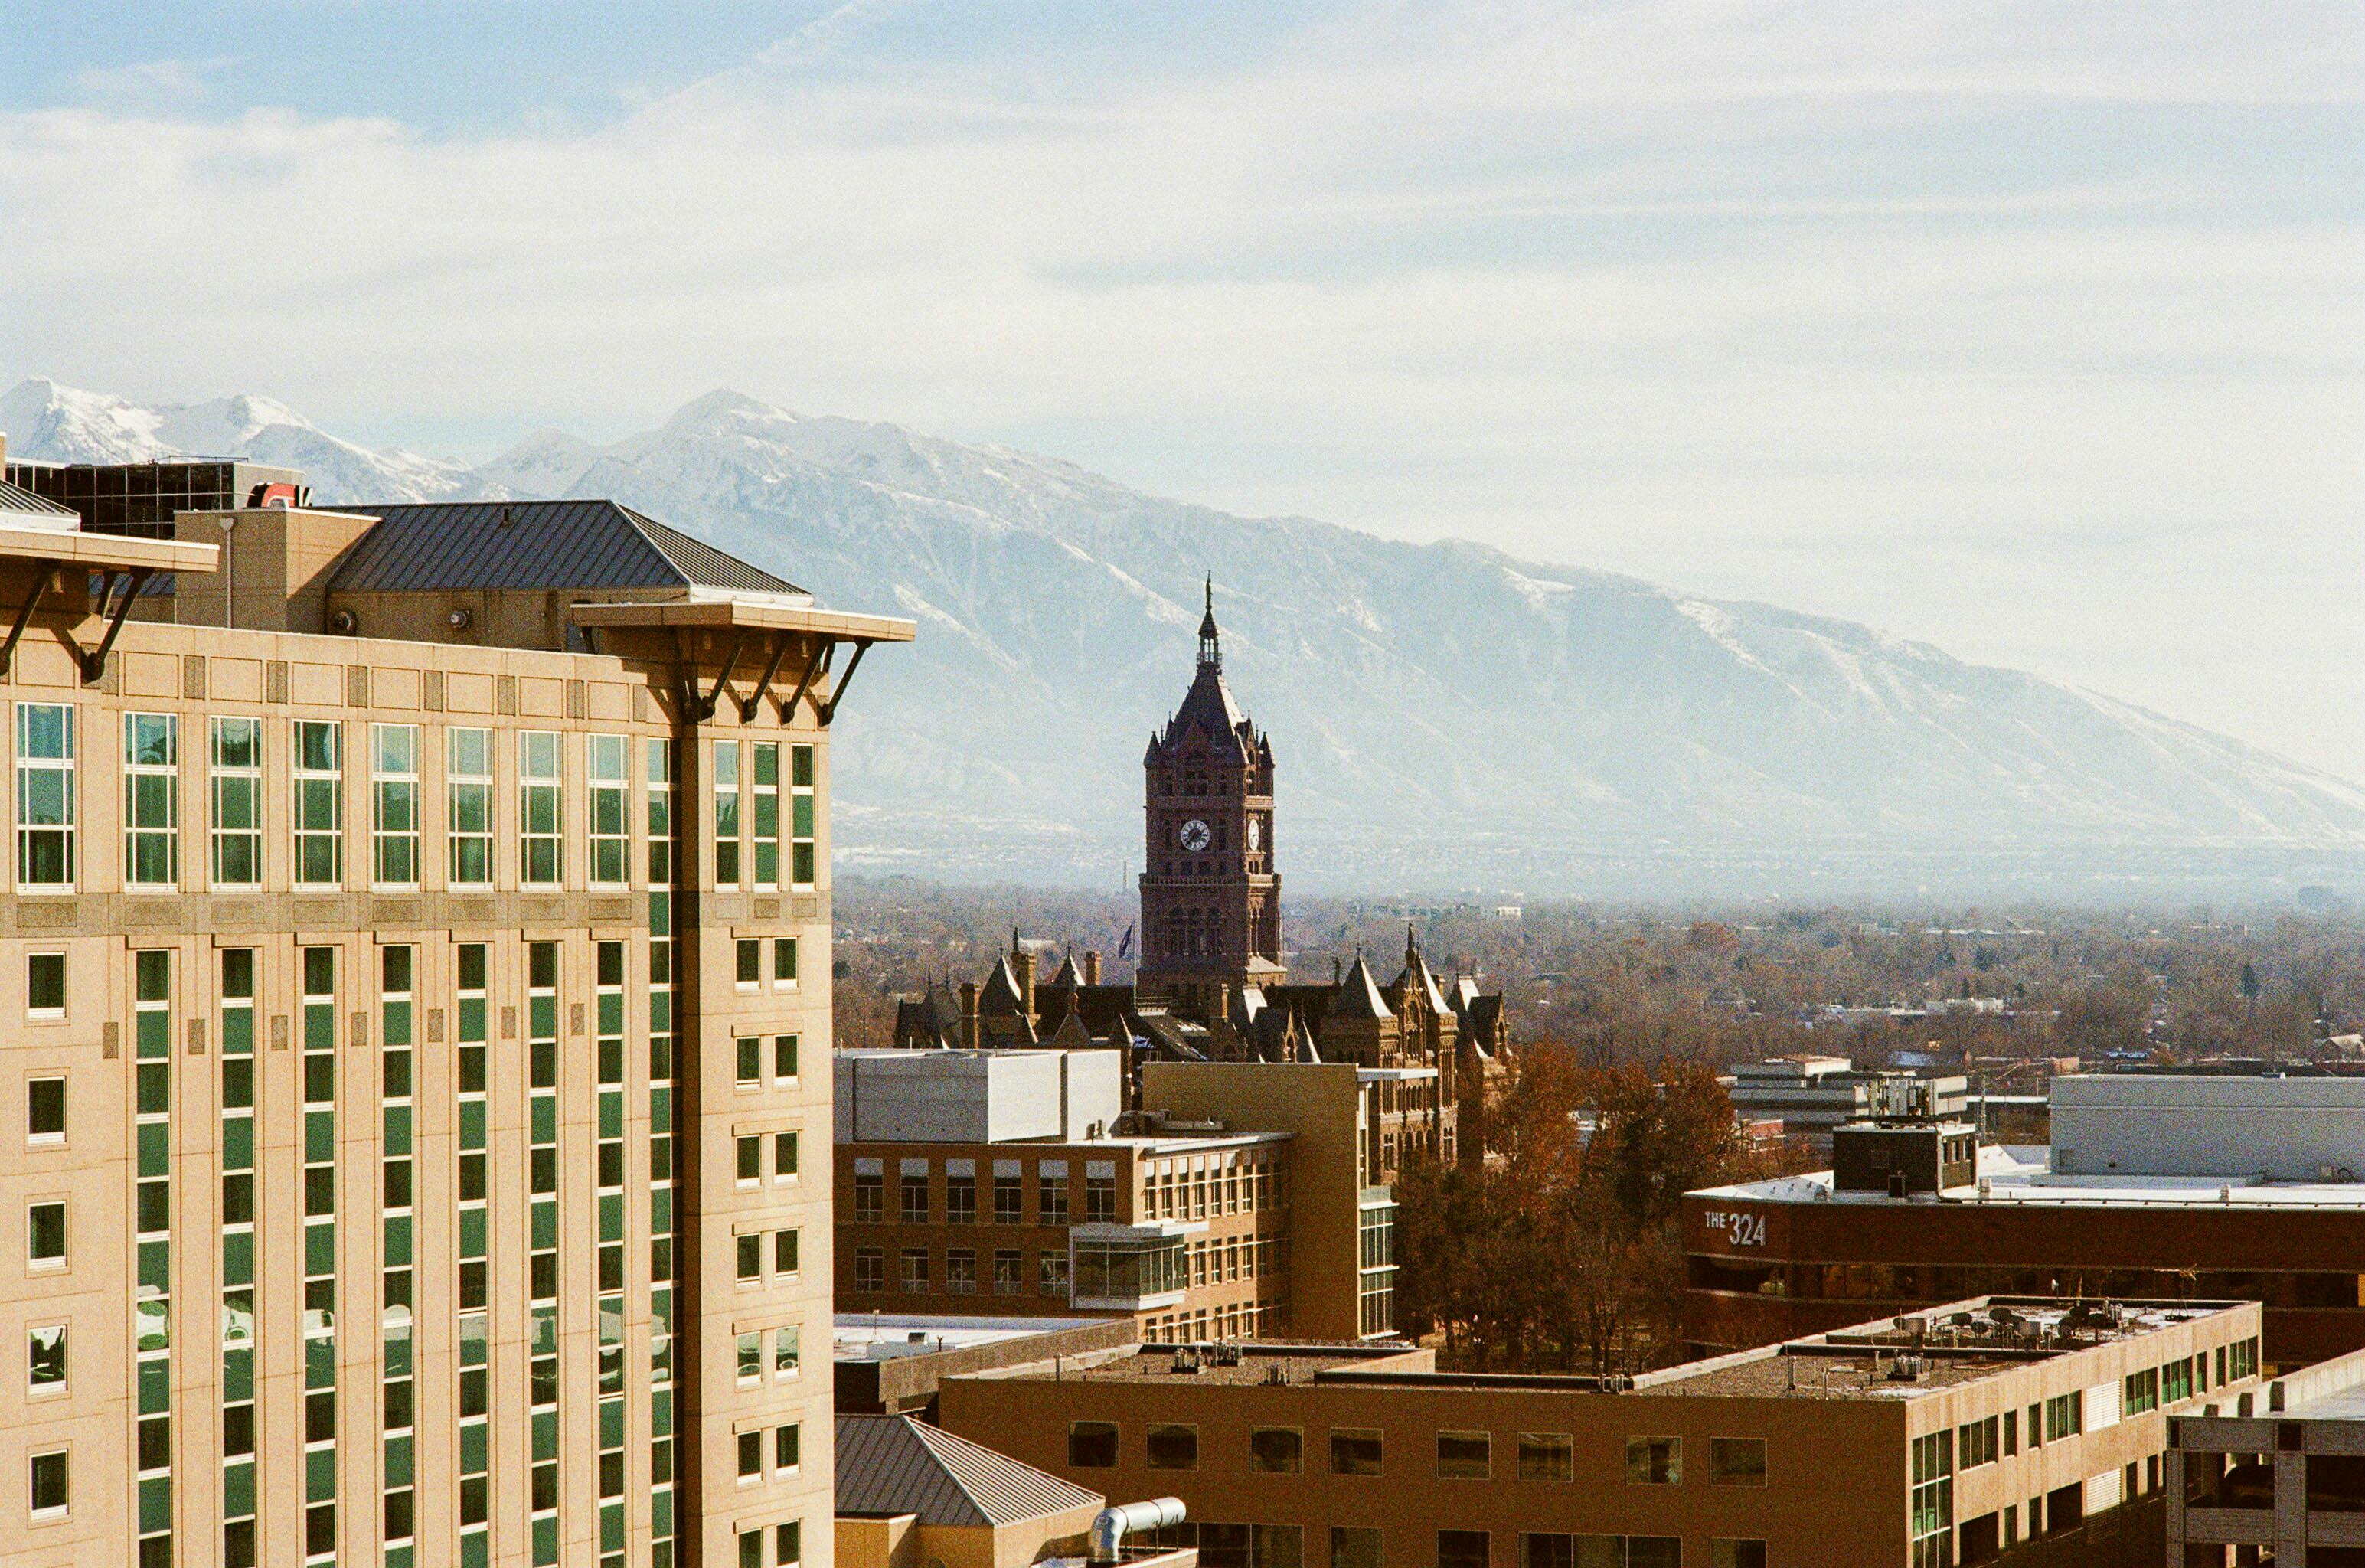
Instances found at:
x=1955 y=1435
x=1015 y=1184
x=386 y=1023
x=2276 y=1476
x=2118 y=1205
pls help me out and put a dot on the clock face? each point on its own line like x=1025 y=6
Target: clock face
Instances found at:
x=1194 y=836
x=1256 y=834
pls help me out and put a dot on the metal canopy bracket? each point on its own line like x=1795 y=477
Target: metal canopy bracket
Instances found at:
x=748 y=705
x=45 y=577
x=837 y=692
x=93 y=663
x=823 y=649
x=706 y=704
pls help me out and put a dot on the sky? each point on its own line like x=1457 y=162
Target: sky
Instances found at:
x=2037 y=330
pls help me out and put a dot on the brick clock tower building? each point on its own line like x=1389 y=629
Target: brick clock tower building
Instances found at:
x=1210 y=900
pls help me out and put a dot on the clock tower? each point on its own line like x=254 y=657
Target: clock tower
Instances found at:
x=1210 y=899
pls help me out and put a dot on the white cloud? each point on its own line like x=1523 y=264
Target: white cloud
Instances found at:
x=1847 y=305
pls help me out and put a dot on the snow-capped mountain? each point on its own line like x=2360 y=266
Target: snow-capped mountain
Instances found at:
x=1442 y=715
x=60 y=423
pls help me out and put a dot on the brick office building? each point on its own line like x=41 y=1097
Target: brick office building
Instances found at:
x=1241 y=1204
x=383 y=1021
x=1955 y=1435
x=2157 y=1186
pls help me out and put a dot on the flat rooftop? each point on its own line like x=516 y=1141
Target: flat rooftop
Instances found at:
x=2023 y=1173
x=1962 y=1342
x=879 y=1337
x=1959 y=1343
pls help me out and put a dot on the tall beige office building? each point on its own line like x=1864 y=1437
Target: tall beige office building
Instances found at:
x=414 y=1025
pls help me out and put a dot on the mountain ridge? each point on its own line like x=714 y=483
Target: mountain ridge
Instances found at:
x=1442 y=704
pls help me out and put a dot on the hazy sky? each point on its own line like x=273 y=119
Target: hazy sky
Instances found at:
x=2037 y=331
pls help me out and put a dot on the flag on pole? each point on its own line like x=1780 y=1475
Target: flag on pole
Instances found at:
x=1124 y=948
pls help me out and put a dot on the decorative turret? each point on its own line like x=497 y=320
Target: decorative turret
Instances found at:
x=1211 y=652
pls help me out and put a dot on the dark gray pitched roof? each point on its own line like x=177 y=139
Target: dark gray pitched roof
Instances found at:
x=468 y=546
x=893 y=1464
x=1209 y=708
x=16 y=499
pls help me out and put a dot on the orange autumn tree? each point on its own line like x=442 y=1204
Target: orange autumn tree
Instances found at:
x=1564 y=1253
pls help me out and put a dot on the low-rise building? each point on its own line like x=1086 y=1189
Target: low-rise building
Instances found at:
x=2154 y=1185
x=1950 y=1436
x=1013 y=1181
x=1813 y=1095
x=909 y=1493
x=2275 y=1476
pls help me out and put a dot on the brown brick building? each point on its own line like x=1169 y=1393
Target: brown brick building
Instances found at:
x=1951 y=1438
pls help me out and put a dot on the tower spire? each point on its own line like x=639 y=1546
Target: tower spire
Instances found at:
x=1211 y=653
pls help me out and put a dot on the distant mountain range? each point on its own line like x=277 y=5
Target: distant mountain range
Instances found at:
x=1444 y=716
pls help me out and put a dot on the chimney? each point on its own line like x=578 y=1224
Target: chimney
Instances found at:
x=1338 y=972
x=1092 y=968
x=969 y=1015
x=1022 y=967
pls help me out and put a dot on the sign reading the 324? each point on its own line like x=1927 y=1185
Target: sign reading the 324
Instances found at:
x=1739 y=1229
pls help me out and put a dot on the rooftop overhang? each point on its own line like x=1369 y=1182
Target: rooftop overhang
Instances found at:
x=24 y=543
x=753 y=633
x=39 y=562
x=769 y=613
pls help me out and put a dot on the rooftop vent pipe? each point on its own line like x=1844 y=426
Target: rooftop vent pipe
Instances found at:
x=1111 y=1526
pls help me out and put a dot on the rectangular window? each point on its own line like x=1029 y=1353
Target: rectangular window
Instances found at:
x=237 y=786
x=748 y=1154
x=1009 y=1272
x=960 y=1199
x=1052 y=1274
x=788 y=1447
x=45 y=798
x=764 y=827
x=751 y=1356
x=870 y=1198
x=468 y=804
x=1462 y=1549
x=319 y=795
x=1547 y=1456
x=869 y=1269
x=726 y=813
x=45 y=1110
x=784 y=1252
x=1654 y=1461
x=1008 y=1200
x=1173 y=1445
x=48 y=1498
x=45 y=985
x=1741 y=1461
x=394 y=805
x=45 y=1233
x=788 y=1350
x=800 y=815
x=1051 y=1197
x=751 y=1258
x=152 y=800
x=2064 y=1415
x=1277 y=1451
x=611 y=837
x=915 y=1270
x=45 y=1356
x=960 y=1271
x=784 y=961
x=915 y=1199
x=1357 y=1546
x=788 y=1544
x=1092 y=1445
x=784 y=1057
x=1354 y=1450
x=785 y=1156
x=748 y=961
x=540 y=820
x=749 y=1069
x=1464 y=1456
x=1723 y=1553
